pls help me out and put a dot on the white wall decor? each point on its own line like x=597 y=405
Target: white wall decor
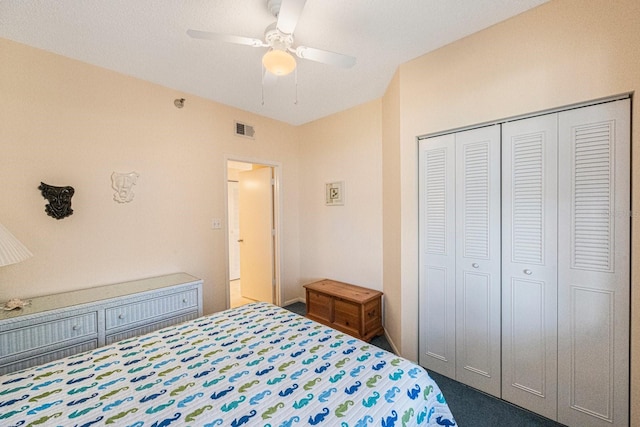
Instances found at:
x=123 y=184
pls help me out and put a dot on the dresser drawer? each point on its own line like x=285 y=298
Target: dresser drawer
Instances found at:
x=151 y=327
x=46 y=357
x=131 y=313
x=44 y=334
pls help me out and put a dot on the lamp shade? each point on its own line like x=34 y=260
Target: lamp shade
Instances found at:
x=11 y=250
x=278 y=62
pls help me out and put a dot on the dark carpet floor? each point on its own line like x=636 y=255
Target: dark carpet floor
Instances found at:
x=470 y=407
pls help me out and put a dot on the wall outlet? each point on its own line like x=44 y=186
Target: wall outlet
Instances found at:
x=216 y=223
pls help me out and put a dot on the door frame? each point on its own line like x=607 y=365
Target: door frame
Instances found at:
x=277 y=215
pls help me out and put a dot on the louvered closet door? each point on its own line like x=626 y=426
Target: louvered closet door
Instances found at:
x=478 y=258
x=437 y=254
x=593 y=268
x=529 y=263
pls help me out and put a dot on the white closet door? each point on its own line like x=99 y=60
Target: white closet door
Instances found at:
x=529 y=263
x=478 y=258
x=437 y=254
x=593 y=268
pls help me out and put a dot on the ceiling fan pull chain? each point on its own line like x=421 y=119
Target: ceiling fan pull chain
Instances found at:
x=262 y=88
x=295 y=102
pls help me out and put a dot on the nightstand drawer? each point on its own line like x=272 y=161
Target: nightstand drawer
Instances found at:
x=164 y=306
x=26 y=338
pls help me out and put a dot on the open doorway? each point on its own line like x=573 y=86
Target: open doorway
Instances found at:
x=252 y=218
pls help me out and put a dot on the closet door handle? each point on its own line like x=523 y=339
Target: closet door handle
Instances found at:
x=475 y=265
x=527 y=272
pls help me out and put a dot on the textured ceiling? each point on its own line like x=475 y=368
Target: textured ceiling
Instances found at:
x=147 y=39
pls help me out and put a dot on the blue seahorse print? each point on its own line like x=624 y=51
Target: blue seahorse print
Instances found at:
x=371 y=400
x=319 y=417
x=290 y=421
x=363 y=422
x=243 y=419
x=391 y=394
x=166 y=421
x=354 y=388
x=288 y=390
x=444 y=421
x=324 y=396
x=391 y=420
x=414 y=392
x=258 y=397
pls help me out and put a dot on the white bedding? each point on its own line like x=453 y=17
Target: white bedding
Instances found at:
x=254 y=365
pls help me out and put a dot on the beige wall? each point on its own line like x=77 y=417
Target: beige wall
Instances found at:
x=342 y=242
x=391 y=225
x=561 y=53
x=69 y=123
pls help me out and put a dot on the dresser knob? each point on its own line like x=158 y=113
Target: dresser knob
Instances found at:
x=528 y=272
x=184 y=300
x=475 y=265
x=120 y=316
x=75 y=327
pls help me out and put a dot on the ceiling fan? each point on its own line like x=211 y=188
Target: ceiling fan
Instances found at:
x=278 y=37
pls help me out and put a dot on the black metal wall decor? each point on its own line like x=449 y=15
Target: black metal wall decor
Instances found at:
x=59 y=200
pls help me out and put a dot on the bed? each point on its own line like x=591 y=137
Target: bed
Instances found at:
x=254 y=365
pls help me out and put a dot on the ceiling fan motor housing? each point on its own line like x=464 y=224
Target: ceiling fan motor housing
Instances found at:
x=273 y=6
x=277 y=39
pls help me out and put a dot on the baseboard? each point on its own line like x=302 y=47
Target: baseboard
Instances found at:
x=293 y=301
x=391 y=343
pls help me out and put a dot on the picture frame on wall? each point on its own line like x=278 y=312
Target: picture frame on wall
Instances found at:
x=334 y=193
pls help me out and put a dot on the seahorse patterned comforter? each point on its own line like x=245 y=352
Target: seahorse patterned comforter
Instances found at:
x=255 y=365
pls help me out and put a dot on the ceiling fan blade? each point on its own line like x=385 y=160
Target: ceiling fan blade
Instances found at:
x=290 y=11
x=326 y=57
x=206 y=35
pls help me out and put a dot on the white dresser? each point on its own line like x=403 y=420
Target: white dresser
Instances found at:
x=60 y=325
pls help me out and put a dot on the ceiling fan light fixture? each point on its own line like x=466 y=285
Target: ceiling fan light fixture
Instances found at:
x=278 y=62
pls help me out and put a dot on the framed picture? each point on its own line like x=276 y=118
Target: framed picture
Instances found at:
x=334 y=193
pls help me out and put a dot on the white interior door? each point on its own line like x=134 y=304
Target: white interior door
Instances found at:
x=593 y=268
x=234 y=230
x=478 y=259
x=438 y=254
x=255 y=195
x=529 y=263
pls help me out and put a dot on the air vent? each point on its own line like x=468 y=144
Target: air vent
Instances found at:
x=245 y=130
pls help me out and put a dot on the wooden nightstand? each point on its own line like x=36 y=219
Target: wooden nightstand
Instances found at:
x=348 y=308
